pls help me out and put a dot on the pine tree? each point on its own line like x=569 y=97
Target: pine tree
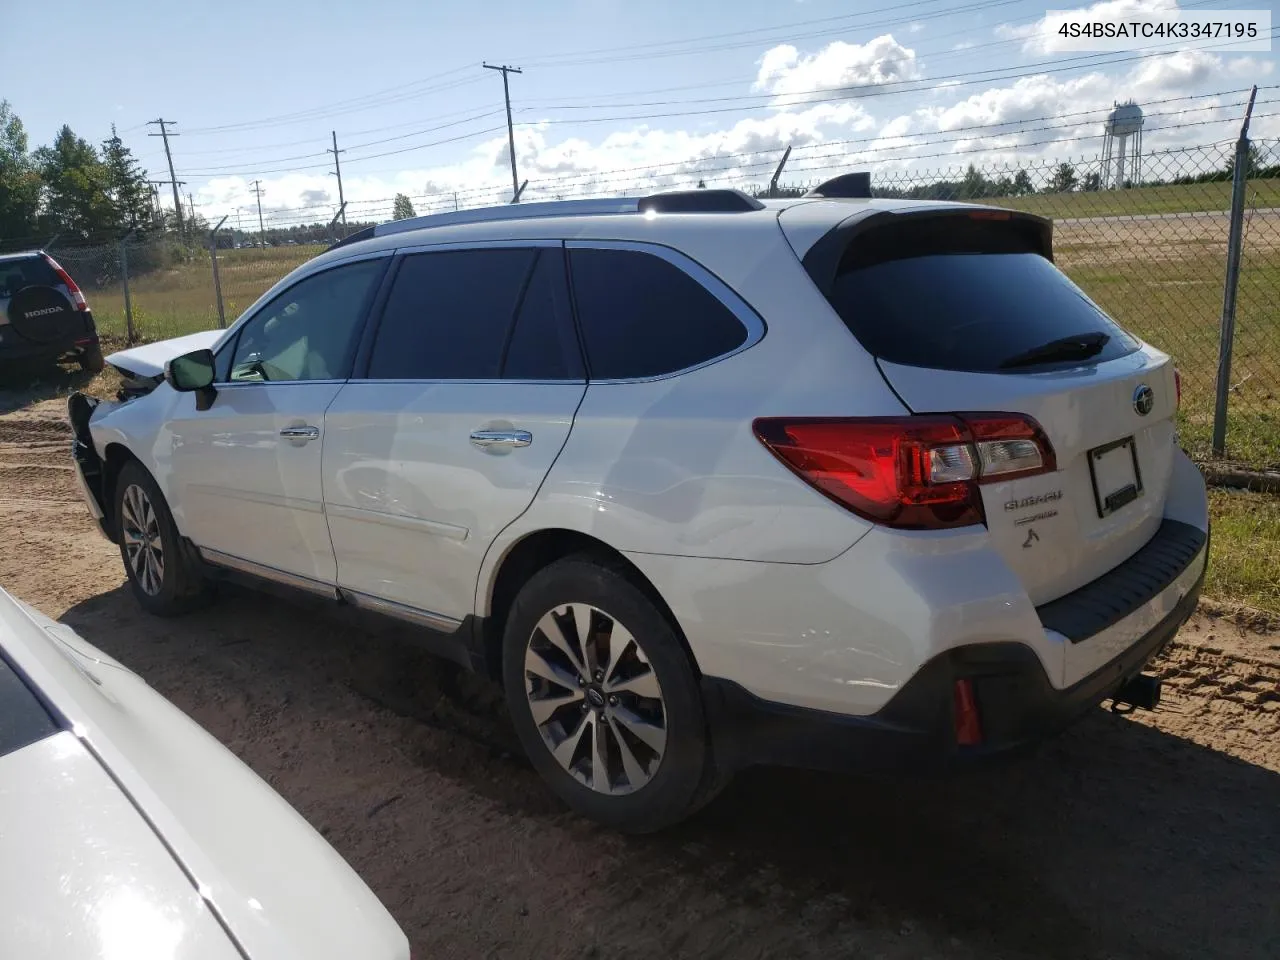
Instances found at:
x=75 y=196
x=126 y=185
x=19 y=180
x=1063 y=179
x=402 y=209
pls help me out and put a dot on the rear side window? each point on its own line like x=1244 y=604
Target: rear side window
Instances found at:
x=477 y=315
x=951 y=303
x=27 y=272
x=642 y=316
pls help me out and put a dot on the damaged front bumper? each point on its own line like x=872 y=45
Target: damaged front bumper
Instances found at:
x=89 y=472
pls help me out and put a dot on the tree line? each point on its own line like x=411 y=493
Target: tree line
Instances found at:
x=70 y=188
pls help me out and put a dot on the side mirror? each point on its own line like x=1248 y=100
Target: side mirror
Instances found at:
x=193 y=373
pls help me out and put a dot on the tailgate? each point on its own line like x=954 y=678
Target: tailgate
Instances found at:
x=1060 y=530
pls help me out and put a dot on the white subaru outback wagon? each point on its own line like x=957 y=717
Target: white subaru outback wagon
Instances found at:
x=705 y=482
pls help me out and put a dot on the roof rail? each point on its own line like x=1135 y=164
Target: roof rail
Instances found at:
x=356 y=237
x=676 y=201
x=847 y=186
x=509 y=211
x=700 y=201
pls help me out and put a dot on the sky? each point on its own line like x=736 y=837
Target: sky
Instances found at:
x=615 y=97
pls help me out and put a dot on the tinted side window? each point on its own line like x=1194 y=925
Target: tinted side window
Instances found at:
x=309 y=331
x=543 y=345
x=449 y=315
x=642 y=316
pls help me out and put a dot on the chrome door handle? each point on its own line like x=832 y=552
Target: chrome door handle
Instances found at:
x=300 y=433
x=503 y=439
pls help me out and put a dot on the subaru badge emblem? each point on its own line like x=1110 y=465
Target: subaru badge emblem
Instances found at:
x=1143 y=399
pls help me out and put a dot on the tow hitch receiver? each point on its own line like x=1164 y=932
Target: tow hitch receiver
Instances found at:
x=1141 y=691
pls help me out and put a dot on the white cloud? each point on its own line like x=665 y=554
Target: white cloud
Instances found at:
x=837 y=68
x=915 y=27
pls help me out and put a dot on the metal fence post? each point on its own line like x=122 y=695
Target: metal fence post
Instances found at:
x=124 y=280
x=773 y=181
x=1235 y=240
x=217 y=281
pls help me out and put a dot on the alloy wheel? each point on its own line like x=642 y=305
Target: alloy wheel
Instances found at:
x=143 y=545
x=595 y=699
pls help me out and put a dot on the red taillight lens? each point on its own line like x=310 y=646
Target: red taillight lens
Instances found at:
x=1177 y=387
x=965 y=710
x=913 y=473
x=77 y=297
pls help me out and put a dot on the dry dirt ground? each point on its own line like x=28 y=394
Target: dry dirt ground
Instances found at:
x=1147 y=836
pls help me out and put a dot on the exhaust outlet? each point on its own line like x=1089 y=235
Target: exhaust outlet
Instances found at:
x=1141 y=692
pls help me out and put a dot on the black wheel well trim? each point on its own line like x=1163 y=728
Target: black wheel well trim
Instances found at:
x=535 y=551
x=114 y=456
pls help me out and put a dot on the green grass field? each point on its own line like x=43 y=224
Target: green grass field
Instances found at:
x=1244 y=560
x=1183 y=198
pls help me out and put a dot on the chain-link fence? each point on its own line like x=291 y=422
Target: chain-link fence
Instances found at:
x=157 y=289
x=1152 y=252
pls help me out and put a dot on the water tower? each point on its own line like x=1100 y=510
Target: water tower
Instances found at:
x=1122 y=143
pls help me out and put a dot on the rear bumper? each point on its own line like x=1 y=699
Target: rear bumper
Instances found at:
x=16 y=349
x=915 y=730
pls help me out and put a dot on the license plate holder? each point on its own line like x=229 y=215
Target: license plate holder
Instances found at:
x=1117 y=479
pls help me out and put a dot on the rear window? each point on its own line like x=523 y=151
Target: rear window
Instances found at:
x=968 y=309
x=28 y=272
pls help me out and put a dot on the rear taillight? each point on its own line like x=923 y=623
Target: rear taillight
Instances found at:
x=77 y=297
x=1177 y=388
x=914 y=473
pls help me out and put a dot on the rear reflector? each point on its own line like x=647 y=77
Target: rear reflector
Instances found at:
x=968 y=724
x=77 y=298
x=913 y=473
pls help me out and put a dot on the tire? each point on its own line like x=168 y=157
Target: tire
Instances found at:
x=650 y=781
x=90 y=359
x=168 y=581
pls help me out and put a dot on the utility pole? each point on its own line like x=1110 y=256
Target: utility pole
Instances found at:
x=337 y=170
x=191 y=209
x=511 y=135
x=165 y=134
x=262 y=231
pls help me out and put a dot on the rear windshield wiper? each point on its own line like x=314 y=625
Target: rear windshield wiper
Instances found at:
x=1077 y=346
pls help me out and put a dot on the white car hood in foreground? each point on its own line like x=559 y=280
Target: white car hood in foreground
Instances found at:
x=258 y=868
x=149 y=359
x=83 y=875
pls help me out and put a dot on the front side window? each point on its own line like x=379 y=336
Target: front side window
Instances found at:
x=310 y=331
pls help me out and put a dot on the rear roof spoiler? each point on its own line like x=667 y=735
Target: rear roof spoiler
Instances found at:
x=824 y=258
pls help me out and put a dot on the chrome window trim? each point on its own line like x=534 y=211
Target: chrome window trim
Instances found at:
x=448 y=245
x=727 y=296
